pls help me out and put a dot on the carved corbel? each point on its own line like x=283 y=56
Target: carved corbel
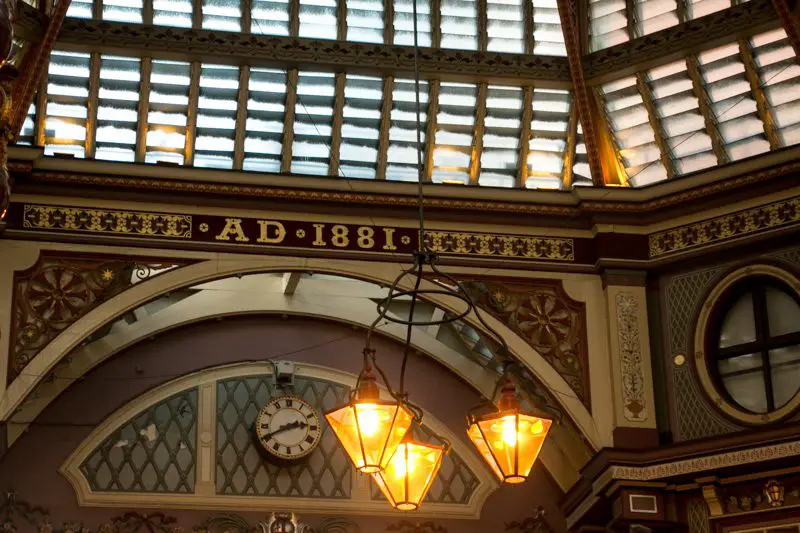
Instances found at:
x=713 y=497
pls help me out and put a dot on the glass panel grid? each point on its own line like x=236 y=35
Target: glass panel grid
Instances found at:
x=313 y=123
x=216 y=116
x=365 y=21
x=547 y=34
x=608 y=23
x=166 y=117
x=177 y=13
x=454 y=132
x=654 y=15
x=270 y=17
x=502 y=125
x=67 y=97
x=224 y=15
x=360 y=126
x=549 y=129
x=505 y=26
x=581 y=173
x=459 y=24
x=779 y=74
x=123 y=10
x=732 y=101
x=318 y=19
x=266 y=107
x=81 y=9
x=402 y=153
x=404 y=22
x=117 y=108
x=26 y=134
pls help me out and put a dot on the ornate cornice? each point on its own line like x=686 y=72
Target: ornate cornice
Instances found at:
x=288 y=52
x=698 y=34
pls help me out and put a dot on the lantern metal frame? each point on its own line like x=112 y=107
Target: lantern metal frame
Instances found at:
x=404 y=500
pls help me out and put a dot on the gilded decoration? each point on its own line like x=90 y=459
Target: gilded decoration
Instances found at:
x=494 y=245
x=725 y=228
x=630 y=350
x=549 y=320
x=107 y=221
x=59 y=289
x=748 y=497
x=322 y=53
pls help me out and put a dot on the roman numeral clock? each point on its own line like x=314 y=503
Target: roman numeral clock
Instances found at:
x=287 y=430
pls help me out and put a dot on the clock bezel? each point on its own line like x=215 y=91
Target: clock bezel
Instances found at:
x=280 y=458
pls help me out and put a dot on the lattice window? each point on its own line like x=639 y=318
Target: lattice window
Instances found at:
x=318 y=19
x=404 y=22
x=241 y=470
x=608 y=23
x=360 y=127
x=502 y=127
x=779 y=74
x=455 y=123
x=505 y=28
x=67 y=97
x=270 y=17
x=176 y=13
x=581 y=173
x=459 y=24
x=313 y=122
x=26 y=134
x=81 y=9
x=222 y=15
x=654 y=15
x=166 y=117
x=635 y=138
x=123 y=10
x=117 y=115
x=454 y=484
x=548 y=38
x=680 y=120
x=402 y=154
x=266 y=107
x=732 y=102
x=365 y=21
x=216 y=116
x=548 y=139
x=153 y=452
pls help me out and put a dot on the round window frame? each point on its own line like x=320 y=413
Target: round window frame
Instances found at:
x=705 y=325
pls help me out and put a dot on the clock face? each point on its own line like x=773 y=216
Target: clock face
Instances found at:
x=288 y=428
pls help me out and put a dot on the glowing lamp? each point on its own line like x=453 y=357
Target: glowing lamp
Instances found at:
x=410 y=473
x=370 y=429
x=774 y=492
x=509 y=439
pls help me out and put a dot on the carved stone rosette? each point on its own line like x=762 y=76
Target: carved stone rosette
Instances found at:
x=549 y=320
x=59 y=289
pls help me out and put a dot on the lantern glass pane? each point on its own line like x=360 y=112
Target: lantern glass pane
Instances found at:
x=515 y=440
x=370 y=432
x=409 y=474
x=477 y=439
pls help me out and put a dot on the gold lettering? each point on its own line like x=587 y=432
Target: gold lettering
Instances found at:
x=388 y=234
x=340 y=239
x=232 y=225
x=280 y=231
x=319 y=241
x=365 y=237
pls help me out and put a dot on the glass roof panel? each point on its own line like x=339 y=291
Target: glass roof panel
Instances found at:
x=263 y=142
x=363 y=98
x=455 y=123
x=67 y=98
x=117 y=110
x=270 y=17
x=216 y=116
x=402 y=154
x=502 y=125
x=311 y=148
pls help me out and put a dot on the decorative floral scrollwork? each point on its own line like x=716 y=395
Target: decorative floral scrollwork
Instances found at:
x=549 y=320
x=58 y=290
x=533 y=524
x=406 y=526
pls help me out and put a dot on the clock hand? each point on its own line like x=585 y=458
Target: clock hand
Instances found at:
x=285 y=427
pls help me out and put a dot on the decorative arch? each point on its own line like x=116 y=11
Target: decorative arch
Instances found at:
x=381 y=273
x=184 y=442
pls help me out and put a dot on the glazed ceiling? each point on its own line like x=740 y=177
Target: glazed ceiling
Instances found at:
x=667 y=119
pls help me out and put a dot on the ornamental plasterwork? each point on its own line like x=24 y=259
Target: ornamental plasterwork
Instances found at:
x=551 y=322
x=630 y=352
x=493 y=245
x=706 y=463
x=107 y=221
x=435 y=63
x=59 y=289
x=724 y=228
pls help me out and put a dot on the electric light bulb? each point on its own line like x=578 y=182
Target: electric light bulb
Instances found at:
x=368 y=419
x=510 y=430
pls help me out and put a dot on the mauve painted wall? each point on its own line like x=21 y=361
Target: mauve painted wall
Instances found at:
x=31 y=466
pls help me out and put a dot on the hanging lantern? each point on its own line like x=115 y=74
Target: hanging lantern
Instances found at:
x=410 y=473
x=773 y=490
x=509 y=439
x=370 y=429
